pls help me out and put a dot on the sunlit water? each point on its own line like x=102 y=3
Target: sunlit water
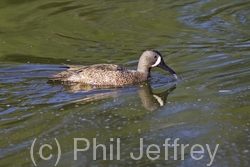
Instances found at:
x=206 y=42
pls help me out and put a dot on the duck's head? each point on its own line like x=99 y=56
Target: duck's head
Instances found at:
x=150 y=59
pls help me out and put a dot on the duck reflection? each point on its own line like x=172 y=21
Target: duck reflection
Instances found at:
x=150 y=99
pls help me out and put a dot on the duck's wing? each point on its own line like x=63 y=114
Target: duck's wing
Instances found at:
x=78 y=69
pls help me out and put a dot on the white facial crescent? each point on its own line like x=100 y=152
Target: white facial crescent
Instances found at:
x=157 y=62
x=159 y=100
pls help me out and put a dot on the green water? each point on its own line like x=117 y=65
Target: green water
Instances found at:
x=206 y=42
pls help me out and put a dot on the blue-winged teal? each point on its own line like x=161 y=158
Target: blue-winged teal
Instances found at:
x=113 y=75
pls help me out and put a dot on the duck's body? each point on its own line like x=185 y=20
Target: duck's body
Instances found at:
x=113 y=75
x=101 y=74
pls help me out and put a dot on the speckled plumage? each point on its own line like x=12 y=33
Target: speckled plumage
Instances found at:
x=113 y=75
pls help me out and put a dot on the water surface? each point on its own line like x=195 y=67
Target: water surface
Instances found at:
x=206 y=42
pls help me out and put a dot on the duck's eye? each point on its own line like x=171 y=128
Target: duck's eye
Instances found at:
x=155 y=57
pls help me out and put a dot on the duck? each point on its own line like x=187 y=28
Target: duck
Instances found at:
x=114 y=75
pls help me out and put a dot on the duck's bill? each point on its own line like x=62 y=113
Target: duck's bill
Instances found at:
x=163 y=66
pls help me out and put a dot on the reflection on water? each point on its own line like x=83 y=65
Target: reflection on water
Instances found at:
x=151 y=101
x=206 y=41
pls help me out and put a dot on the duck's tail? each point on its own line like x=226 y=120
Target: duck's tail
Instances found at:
x=62 y=76
x=65 y=75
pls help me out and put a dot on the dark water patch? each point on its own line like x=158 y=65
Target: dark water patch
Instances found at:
x=53 y=5
x=65 y=9
x=219 y=20
x=23 y=58
x=228 y=9
x=15 y=2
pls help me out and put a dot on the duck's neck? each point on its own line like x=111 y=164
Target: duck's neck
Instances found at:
x=143 y=69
